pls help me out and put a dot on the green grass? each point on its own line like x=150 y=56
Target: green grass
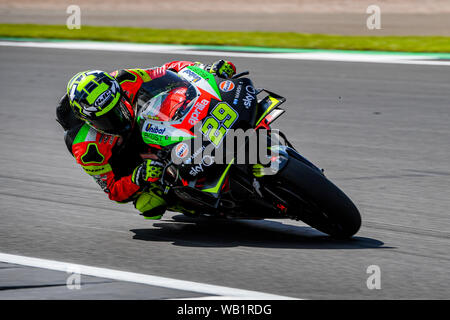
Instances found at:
x=231 y=38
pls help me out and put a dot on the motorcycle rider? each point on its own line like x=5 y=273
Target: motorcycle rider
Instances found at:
x=98 y=117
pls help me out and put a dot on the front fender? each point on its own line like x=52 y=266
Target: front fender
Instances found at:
x=286 y=152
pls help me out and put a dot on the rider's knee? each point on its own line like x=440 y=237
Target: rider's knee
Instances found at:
x=150 y=205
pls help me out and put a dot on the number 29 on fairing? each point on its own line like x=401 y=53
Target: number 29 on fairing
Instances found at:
x=216 y=126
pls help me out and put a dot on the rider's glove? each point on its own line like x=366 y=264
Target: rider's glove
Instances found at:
x=223 y=69
x=147 y=172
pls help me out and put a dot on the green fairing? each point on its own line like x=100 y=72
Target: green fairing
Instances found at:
x=208 y=77
x=165 y=140
x=151 y=138
x=216 y=188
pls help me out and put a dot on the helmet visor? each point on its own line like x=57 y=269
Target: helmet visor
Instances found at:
x=117 y=121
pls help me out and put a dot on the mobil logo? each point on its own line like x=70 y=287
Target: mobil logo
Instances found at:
x=226 y=86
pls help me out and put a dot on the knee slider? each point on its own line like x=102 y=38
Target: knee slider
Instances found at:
x=148 y=201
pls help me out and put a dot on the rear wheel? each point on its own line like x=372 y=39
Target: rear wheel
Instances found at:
x=314 y=199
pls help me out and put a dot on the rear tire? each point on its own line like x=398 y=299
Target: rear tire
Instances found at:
x=314 y=199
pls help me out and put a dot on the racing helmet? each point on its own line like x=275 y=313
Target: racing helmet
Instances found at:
x=96 y=98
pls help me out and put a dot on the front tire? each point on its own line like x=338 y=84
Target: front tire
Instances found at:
x=315 y=200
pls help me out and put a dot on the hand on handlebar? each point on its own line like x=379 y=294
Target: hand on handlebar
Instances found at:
x=147 y=172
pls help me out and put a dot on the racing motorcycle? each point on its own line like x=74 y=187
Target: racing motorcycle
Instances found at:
x=197 y=180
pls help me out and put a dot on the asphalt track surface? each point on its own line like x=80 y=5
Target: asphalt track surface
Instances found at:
x=381 y=131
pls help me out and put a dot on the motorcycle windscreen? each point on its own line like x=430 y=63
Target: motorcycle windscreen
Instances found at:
x=166 y=98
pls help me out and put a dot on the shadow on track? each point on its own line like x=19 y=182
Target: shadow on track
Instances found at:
x=184 y=231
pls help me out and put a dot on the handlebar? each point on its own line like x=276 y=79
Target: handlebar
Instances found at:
x=164 y=173
x=245 y=73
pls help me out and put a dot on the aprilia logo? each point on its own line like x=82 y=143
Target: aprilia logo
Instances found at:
x=198 y=107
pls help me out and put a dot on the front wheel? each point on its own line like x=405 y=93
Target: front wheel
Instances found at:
x=315 y=200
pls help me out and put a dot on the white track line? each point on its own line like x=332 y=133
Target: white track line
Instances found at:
x=214 y=298
x=192 y=50
x=223 y=292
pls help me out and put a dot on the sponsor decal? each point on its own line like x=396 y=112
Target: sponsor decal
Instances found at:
x=196 y=153
x=102 y=182
x=93 y=170
x=191 y=75
x=155 y=129
x=250 y=89
x=226 y=86
x=158 y=72
x=105 y=139
x=181 y=150
x=203 y=73
x=100 y=101
x=238 y=92
x=152 y=107
x=87 y=110
x=155 y=138
x=206 y=162
x=198 y=108
x=249 y=96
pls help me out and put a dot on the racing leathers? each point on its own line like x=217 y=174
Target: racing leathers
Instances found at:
x=113 y=160
x=107 y=158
